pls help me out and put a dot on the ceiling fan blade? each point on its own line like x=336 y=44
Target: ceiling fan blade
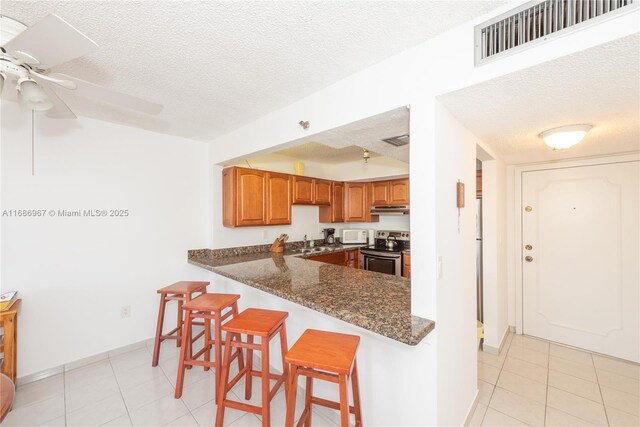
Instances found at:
x=51 y=41
x=60 y=110
x=67 y=84
x=99 y=93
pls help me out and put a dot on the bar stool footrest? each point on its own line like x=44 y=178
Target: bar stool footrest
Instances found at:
x=329 y=404
x=234 y=404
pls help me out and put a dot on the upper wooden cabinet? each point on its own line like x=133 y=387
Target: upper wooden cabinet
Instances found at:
x=278 y=201
x=357 y=202
x=253 y=197
x=311 y=191
x=303 y=189
x=386 y=193
x=335 y=212
x=399 y=192
x=322 y=192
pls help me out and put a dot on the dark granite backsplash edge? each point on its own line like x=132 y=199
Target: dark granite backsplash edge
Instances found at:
x=242 y=250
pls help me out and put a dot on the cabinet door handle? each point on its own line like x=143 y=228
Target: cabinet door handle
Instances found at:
x=528 y=258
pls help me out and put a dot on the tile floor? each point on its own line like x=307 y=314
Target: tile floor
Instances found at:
x=534 y=382
x=124 y=390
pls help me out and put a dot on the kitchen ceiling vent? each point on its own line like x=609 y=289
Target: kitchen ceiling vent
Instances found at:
x=538 y=21
x=398 y=141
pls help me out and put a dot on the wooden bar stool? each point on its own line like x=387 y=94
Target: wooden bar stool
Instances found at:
x=181 y=292
x=207 y=307
x=328 y=356
x=252 y=322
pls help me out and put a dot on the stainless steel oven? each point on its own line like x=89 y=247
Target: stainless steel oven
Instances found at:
x=385 y=256
x=382 y=262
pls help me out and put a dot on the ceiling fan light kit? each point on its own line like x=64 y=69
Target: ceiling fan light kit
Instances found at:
x=565 y=137
x=27 y=54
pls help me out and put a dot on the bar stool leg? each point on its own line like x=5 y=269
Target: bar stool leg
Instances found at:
x=291 y=396
x=179 y=331
x=356 y=395
x=156 y=345
x=186 y=347
x=207 y=344
x=218 y=351
x=344 y=401
x=248 y=381
x=222 y=386
x=266 y=407
x=307 y=402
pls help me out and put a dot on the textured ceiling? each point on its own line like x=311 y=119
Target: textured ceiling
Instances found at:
x=217 y=65
x=346 y=143
x=599 y=86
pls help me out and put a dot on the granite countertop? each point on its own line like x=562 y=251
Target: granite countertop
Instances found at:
x=375 y=301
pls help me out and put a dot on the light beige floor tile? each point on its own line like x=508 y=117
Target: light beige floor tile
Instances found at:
x=38 y=391
x=322 y=421
x=137 y=376
x=619 y=382
x=618 y=418
x=528 y=355
x=530 y=343
x=488 y=373
x=206 y=414
x=197 y=394
x=493 y=418
x=485 y=390
x=626 y=402
x=576 y=369
x=247 y=420
x=617 y=366
x=575 y=385
x=577 y=406
x=95 y=414
x=122 y=421
x=88 y=374
x=478 y=415
x=36 y=413
x=572 y=354
x=84 y=394
x=518 y=407
x=191 y=375
x=525 y=369
x=491 y=359
x=145 y=393
x=556 y=418
x=184 y=421
x=57 y=422
x=133 y=359
x=523 y=386
x=158 y=413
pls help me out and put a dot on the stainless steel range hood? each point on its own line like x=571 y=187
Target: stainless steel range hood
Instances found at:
x=390 y=210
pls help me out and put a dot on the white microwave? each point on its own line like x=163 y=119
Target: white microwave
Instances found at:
x=351 y=237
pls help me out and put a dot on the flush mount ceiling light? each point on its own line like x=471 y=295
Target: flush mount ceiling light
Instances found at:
x=565 y=136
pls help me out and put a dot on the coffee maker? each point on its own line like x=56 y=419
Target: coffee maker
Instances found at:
x=329 y=238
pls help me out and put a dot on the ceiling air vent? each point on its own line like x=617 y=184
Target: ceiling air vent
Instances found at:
x=398 y=141
x=538 y=21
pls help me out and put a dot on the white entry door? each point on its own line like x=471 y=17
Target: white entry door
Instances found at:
x=580 y=257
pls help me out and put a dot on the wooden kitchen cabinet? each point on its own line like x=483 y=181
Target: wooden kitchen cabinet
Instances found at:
x=352 y=258
x=243 y=197
x=252 y=197
x=406 y=264
x=330 y=258
x=303 y=190
x=380 y=193
x=399 y=192
x=357 y=203
x=334 y=212
x=322 y=192
x=278 y=200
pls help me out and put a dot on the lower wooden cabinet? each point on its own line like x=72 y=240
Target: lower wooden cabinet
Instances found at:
x=349 y=258
x=406 y=265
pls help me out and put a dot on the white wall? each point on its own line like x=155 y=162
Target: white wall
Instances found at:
x=456 y=246
x=75 y=274
x=494 y=233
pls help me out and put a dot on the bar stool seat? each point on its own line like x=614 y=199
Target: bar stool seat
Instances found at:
x=327 y=356
x=182 y=292
x=252 y=322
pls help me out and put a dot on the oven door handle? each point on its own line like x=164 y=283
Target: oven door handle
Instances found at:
x=376 y=255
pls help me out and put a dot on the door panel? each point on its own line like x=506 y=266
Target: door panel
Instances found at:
x=581 y=284
x=251 y=197
x=302 y=190
x=278 y=198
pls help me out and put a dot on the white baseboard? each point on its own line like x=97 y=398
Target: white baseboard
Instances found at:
x=472 y=409
x=493 y=350
x=512 y=329
x=78 y=363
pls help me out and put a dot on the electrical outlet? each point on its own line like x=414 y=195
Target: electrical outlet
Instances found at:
x=125 y=311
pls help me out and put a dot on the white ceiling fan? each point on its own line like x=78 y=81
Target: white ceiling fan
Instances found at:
x=28 y=53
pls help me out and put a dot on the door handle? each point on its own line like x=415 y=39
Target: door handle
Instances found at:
x=528 y=247
x=528 y=258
